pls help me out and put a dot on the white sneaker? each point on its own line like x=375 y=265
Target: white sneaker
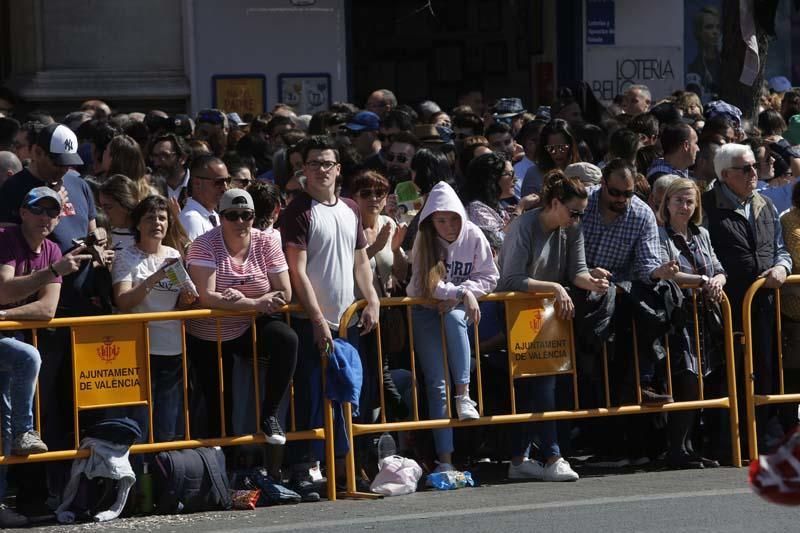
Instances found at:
x=527 y=469
x=465 y=408
x=560 y=471
x=444 y=467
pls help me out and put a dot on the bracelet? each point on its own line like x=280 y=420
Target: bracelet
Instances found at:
x=54 y=271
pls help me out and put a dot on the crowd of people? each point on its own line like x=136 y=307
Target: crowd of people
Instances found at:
x=607 y=208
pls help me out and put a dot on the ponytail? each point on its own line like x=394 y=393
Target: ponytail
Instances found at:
x=559 y=187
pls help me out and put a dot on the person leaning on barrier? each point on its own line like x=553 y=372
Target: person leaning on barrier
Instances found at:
x=453 y=264
x=685 y=241
x=543 y=252
x=141 y=285
x=790 y=296
x=746 y=234
x=30 y=283
x=238 y=268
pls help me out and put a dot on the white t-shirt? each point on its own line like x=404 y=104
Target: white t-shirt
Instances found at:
x=196 y=219
x=134 y=265
x=330 y=235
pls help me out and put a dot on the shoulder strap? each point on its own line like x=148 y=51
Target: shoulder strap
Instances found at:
x=212 y=465
x=178 y=472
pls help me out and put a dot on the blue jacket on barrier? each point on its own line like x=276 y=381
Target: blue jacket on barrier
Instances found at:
x=343 y=380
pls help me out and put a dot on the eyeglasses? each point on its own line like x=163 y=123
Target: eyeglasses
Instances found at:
x=233 y=216
x=618 y=193
x=401 y=158
x=378 y=194
x=324 y=165
x=37 y=210
x=508 y=174
x=382 y=137
x=218 y=180
x=557 y=148
x=747 y=169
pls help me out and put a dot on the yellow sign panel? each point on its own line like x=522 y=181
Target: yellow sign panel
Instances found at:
x=110 y=364
x=538 y=342
x=240 y=95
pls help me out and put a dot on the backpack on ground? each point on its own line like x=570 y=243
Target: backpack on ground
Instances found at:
x=189 y=481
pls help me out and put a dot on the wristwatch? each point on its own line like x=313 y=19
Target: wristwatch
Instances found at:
x=703 y=280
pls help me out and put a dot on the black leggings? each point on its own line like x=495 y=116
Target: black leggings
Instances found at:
x=276 y=342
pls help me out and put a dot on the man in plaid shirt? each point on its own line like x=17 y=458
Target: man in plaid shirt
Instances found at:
x=621 y=242
x=620 y=231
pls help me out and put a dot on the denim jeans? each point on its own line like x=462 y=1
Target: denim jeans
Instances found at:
x=536 y=395
x=19 y=367
x=166 y=376
x=428 y=347
x=19 y=364
x=306 y=387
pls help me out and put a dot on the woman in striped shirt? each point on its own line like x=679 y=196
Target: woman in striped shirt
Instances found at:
x=238 y=268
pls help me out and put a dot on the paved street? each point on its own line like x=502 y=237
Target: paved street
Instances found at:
x=656 y=501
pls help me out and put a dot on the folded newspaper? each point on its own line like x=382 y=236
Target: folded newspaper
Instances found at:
x=178 y=276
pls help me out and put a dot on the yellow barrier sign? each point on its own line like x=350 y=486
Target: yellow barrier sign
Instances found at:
x=110 y=364
x=538 y=342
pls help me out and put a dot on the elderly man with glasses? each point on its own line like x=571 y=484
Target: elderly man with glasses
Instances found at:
x=746 y=233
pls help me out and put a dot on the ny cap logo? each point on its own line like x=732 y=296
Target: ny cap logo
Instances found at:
x=68 y=147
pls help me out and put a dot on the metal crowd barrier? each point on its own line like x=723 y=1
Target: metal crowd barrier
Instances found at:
x=123 y=339
x=754 y=400
x=518 y=304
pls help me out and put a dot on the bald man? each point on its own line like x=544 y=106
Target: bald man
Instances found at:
x=9 y=165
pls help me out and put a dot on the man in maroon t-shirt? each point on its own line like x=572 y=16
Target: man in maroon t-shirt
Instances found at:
x=31 y=267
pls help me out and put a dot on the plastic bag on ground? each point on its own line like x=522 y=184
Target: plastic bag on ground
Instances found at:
x=397 y=476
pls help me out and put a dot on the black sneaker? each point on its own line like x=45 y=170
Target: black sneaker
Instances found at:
x=306 y=490
x=273 y=431
x=10 y=519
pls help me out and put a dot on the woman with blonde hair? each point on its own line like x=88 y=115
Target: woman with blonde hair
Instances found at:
x=684 y=240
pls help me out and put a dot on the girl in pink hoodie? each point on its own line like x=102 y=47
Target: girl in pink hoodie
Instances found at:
x=452 y=263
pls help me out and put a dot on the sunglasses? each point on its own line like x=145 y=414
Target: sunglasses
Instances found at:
x=233 y=216
x=575 y=214
x=37 y=210
x=747 y=169
x=218 y=180
x=616 y=193
x=401 y=158
x=324 y=165
x=557 y=148
x=243 y=182
x=382 y=137
x=377 y=194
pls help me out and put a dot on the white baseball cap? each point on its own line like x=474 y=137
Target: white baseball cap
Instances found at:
x=61 y=144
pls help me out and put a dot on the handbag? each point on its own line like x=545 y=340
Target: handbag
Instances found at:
x=394 y=334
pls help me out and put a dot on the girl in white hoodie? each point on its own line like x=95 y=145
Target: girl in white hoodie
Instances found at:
x=452 y=263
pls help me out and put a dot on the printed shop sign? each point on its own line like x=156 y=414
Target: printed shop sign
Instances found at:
x=110 y=364
x=538 y=342
x=245 y=94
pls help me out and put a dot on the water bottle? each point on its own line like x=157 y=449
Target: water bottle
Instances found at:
x=386 y=447
x=146 y=491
